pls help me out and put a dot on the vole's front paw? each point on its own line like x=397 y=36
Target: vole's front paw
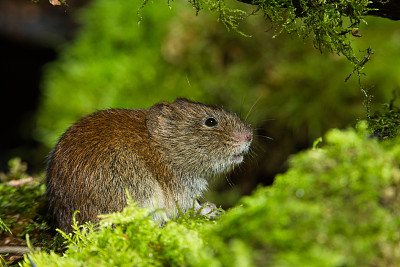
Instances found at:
x=209 y=209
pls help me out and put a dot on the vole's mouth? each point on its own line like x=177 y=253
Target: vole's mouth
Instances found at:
x=240 y=152
x=238 y=158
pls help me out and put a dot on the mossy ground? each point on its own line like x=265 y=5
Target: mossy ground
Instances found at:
x=336 y=206
x=22 y=213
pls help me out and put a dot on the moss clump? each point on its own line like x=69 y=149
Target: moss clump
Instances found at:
x=21 y=195
x=22 y=212
x=133 y=240
x=385 y=125
x=329 y=22
x=335 y=206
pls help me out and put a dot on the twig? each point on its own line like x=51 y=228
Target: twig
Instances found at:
x=361 y=64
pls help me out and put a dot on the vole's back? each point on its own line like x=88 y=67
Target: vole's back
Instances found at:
x=95 y=161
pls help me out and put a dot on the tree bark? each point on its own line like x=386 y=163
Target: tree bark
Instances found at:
x=385 y=8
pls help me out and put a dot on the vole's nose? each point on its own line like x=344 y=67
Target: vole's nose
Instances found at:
x=248 y=136
x=244 y=136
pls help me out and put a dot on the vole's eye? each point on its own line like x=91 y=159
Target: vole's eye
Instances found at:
x=211 y=122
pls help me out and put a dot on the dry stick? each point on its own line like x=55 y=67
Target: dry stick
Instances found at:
x=361 y=64
x=19 y=250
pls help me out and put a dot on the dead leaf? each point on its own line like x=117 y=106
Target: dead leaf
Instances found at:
x=355 y=33
x=55 y=2
x=18 y=183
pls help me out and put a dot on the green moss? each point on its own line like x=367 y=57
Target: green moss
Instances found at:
x=385 y=124
x=23 y=200
x=133 y=240
x=22 y=212
x=4 y=227
x=329 y=22
x=230 y=17
x=335 y=206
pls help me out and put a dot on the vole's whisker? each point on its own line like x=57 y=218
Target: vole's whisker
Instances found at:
x=230 y=183
x=251 y=108
x=266 y=137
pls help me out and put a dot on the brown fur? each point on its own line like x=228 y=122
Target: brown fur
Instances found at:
x=162 y=156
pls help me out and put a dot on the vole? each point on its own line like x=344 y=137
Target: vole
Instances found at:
x=163 y=156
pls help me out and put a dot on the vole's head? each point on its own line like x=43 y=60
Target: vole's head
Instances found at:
x=198 y=138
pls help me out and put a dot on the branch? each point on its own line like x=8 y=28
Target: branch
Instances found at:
x=383 y=8
x=386 y=9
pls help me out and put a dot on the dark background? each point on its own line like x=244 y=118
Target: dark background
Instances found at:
x=29 y=35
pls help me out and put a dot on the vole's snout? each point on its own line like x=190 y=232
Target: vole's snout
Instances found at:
x=245 y=136
x=248 y=136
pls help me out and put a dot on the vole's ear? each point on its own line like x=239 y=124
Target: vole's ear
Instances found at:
x=159 y=116
x=182 y=101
